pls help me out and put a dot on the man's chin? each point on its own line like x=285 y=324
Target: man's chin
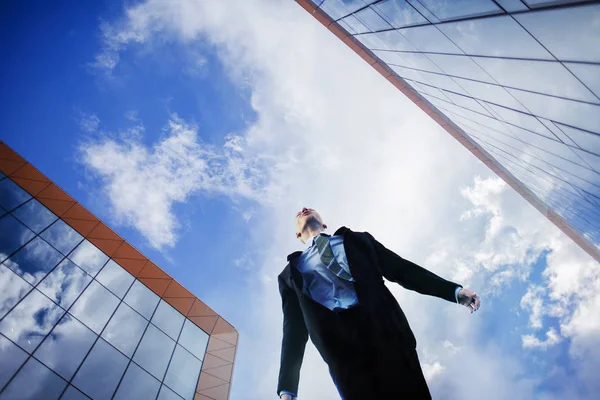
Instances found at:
x=310 y=219
x=311 y=223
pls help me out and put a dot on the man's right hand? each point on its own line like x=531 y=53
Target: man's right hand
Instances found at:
x=470 y=299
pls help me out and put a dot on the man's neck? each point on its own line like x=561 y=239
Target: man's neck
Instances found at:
x=312 y=233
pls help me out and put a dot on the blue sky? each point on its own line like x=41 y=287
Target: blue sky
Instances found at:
x=49 y=87
x=241 y=115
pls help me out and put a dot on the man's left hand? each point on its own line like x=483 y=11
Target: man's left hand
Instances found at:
x=469 y=298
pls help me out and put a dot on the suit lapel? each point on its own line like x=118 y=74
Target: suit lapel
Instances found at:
x=293 y=276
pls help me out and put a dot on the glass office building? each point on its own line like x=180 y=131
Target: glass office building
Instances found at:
x=517 y=82
x=84 y=315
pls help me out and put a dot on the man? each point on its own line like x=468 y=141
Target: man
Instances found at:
x=333 y=291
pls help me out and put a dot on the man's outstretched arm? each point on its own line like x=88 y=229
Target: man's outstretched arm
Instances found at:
x=294 y=341
x=413 y=277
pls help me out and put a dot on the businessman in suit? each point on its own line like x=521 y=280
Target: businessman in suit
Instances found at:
x=333 y=291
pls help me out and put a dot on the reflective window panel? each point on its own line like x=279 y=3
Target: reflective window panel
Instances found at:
x=168 y=394
x=88 y=257
x=115 y=278
x=168 y=319
x=372 y=20
x=34 y=260
x=13 y=234
x=512 y=5
x=11 y=194
x=62 y=237
x=194 y=339
x=34 y=381
x=137 y=384
x=72 y=393
x=12 y=358
x=125 y=329
x=101 y=371
x=480 y=37
x=579 y=40
x=95 y=306
x=65 y=347
x=142 y=299
x=154 y=352
x=453 y=9
x=588 y=74
x=30 y=321
x=35 y=215
x=339 y=8
x=182 y=375
x=398 y=13
x=13 y=289
x=65 y=283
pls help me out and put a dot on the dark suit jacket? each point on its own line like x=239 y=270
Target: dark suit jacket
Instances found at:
x=369 y=263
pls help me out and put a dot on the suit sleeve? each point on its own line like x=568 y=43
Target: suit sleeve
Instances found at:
x=295 y=336
x=411 y=276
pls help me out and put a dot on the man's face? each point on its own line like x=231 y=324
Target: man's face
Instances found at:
x=305 y=215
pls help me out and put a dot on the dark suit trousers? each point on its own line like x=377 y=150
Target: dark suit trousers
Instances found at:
x=373 y=363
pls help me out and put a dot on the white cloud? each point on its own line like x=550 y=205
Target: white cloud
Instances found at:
x=89 y=122
x=11 y=286
x=578 y=301
x=451 y=347
x=432 y=370
x=143 y=184
x=245 y=262
x=339 y=138
x=552 y=338
x=533 y=301
x=506 y=237
x=132 y=115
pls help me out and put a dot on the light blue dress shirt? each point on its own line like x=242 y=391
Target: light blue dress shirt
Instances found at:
x=322 y=285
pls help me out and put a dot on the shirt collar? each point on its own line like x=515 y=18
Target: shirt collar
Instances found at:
x=311 y=241
x=340 y=232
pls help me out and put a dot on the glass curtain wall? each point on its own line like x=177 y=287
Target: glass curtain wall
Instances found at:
x=75 y=325
x=521 y=78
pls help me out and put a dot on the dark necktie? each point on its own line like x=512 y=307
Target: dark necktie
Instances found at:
x=328 y=258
